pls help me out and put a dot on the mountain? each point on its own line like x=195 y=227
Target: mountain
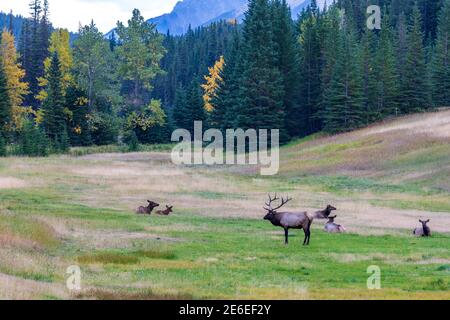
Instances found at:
x=197 y=13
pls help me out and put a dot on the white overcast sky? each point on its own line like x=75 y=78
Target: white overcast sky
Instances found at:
x=69 y=13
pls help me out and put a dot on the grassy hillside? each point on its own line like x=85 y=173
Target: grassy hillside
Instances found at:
x=78 y=210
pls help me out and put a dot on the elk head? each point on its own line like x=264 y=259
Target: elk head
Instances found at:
x=331 y=219
x=424 y=223
x=152 y=205
x=271 y=212
x=169 y=209
x=330 y=208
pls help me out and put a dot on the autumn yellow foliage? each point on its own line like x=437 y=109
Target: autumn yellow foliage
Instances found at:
x=17 y=88
x=59 y=43
x=213 y=81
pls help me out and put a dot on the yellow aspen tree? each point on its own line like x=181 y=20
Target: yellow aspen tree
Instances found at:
x=17 y=88
x=213 y=81
x=59 y=43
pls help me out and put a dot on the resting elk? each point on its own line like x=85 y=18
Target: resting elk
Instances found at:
x=423 y=231
x=332 y=227
x=165 y=212
x=147 y=210
x=288 y=220
x=324 y=214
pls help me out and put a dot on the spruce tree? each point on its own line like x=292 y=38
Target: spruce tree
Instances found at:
x=440 y=74
x=54 y=119
x=194 y=106
x=261 y=88
x=5 y=102
x=179 y=110
x=311 y=63
x=287 y=61
x=386 y=76
x=369 y=84
x=415 y=88
x=226 y=100
x=344 y=98
x=2 y=146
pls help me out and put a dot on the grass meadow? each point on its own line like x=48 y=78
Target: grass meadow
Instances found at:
x=78 y=209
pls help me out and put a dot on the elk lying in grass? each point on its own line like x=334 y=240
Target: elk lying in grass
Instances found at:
x=147 y=210
x=324 y=214
x=165 y=212
x=423 y=231
x=332 y=227
x=288 y=220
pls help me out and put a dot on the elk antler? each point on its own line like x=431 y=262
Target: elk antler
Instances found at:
x=283 y=202
x=269 y=205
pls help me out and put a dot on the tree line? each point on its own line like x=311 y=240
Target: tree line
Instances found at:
x=326 y=71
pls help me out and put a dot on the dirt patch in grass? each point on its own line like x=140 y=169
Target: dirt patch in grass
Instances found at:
x=14 y=288
x=12 y=183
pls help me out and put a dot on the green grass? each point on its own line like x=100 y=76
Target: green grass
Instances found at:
x=59 y=219
x=82 y=151
x=228 y=258
x=234 y=255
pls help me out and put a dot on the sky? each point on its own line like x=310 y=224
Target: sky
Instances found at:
x=69 y=13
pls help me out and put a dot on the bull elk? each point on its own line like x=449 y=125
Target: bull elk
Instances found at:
x=423 y=231
x=165 y=212
x=147 y=210
x=288 y=220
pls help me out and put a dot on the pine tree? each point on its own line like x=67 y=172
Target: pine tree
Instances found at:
x=33 y=141
x=54 y=119
x=179 y=111
x=344 y=98
x=386 y=76
x=287 y=62
x=227 y=95
x=5 y=102
x=369 y=84
x=44 y=31
x=34 y=63
x=261 y=88
x=195 y=110
x=415 y=88
x=440 y=74
x=3 y=151
x=311 y=65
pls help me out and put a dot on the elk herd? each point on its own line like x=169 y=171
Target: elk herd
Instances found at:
x=291 y=220
x=303 y=220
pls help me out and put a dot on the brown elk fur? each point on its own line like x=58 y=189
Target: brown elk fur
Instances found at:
x=147 y=210
x=165 y=212
x=289 y=220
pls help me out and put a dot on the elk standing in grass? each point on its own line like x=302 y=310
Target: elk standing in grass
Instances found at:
x=324 y=214
x=165 y=212
x=332 y=227
x=424 y=231
x=288 y=220
x=147 y=210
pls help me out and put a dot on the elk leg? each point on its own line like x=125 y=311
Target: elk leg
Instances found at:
x=309 y=235
x=286 y=236
x=306 y=237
